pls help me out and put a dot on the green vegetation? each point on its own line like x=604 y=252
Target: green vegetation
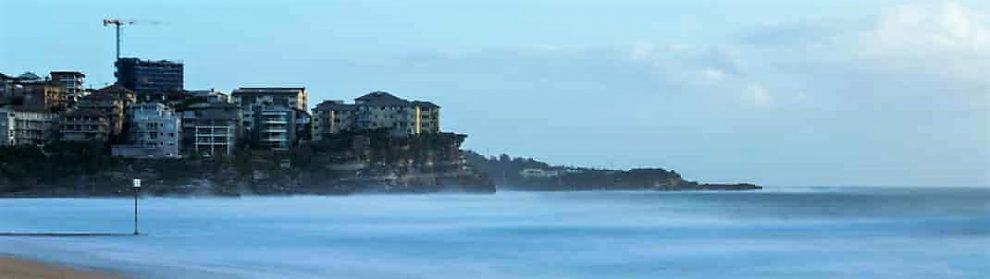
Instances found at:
x=367 y=161
x=507 y=172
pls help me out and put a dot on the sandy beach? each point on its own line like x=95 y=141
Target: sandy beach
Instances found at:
x=19 y=268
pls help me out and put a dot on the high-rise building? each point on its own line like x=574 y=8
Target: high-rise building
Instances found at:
x=146 y=76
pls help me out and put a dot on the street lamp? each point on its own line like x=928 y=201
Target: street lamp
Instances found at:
x=137 y=188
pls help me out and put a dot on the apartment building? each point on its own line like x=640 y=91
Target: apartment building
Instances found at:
x=112 y=101
x=84 y=125
x=71 y=83
x=212 y=129
x=20 y=126
x=155 y=132
x=373 y=111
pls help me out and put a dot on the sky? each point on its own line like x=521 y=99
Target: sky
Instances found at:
x=789 y=93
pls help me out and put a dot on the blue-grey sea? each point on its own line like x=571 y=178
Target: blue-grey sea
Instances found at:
x=785 y=232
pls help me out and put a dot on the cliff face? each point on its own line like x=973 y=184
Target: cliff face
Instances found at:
x=352 y=163
x=529 y=174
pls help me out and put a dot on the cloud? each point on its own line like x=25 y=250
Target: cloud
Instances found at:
x=757 y=95
x=949 y=29
x=948 y=40
x=703 y=69
x=897 y=98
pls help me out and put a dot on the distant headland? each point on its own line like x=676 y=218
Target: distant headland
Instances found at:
x=58 y=138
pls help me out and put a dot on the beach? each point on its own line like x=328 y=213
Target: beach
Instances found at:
x=20 y=268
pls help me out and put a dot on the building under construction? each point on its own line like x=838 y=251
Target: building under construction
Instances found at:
x=145 y=76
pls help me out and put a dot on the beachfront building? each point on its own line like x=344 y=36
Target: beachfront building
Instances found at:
x=373 y=111
x=210 y=129
x=332 y=117
x=154 y=132
x=277 y=128
x=84 y=125
x=273 y=118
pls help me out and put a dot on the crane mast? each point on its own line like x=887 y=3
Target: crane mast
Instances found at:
x=117 y=23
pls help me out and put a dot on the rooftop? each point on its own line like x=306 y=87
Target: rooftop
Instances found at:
x=73 y=73
x=28 y=76
x=141 y=61
x=269 y=90
x=377 y=98
x=335 y=105
x=425 y=104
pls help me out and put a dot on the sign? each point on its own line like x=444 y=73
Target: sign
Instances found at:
x=137 y=183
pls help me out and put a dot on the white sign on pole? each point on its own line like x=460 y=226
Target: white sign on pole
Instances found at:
x=137 y=183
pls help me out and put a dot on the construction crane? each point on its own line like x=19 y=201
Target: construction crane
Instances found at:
x=120 y=22
x=117 y=23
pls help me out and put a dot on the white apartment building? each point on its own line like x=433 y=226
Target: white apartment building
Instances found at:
x=155 y=128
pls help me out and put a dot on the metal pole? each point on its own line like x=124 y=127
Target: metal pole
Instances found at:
x=136 y=189
x=118 y=42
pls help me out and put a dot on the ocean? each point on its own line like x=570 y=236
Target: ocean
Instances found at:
x=778 y=232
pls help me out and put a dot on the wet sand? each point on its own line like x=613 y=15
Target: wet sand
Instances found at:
x=20 y=268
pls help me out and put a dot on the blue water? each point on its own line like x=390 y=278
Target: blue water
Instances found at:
x=774 y=233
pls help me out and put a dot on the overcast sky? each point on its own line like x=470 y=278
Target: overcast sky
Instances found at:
x=783 y=92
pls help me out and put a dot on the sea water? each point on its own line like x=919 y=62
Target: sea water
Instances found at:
x=773 y=233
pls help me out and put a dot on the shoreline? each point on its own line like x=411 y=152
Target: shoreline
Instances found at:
x=731 y=188
x=16 y=267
